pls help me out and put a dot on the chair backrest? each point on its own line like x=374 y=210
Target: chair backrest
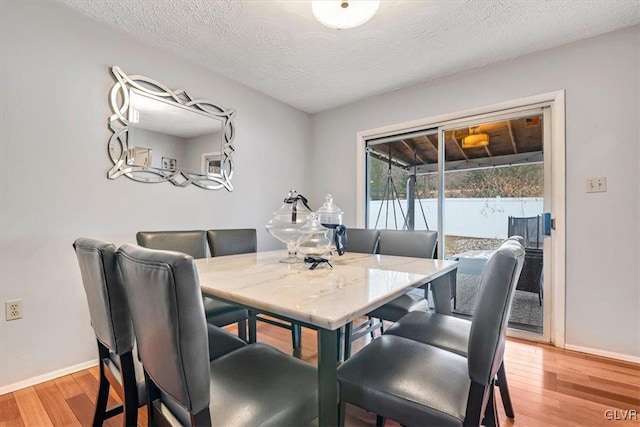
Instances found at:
x=492 y=309
x=411 y=243
x=529 y=228
x=190 y=242
x=102 y=283
x=363 y=240
x=168 y=318
x=232 y=242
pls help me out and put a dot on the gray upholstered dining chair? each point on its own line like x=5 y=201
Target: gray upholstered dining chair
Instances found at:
x=420 y=384
x=111 y=323
x=194 y=243
x=119 y=365
x=241 y=241
x=450 y=333
x=232 y=241
x=366 y=241
x=253 y=385
x=363 y=240
x=409 y=243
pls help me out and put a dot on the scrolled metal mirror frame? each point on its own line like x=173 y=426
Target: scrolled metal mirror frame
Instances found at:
x=119 y=125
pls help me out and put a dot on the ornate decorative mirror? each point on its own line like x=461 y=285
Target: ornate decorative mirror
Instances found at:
x=164 y=135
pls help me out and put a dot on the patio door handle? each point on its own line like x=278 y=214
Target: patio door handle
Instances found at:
x=548 y=223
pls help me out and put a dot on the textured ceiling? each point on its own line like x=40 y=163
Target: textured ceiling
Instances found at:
x=278 y=48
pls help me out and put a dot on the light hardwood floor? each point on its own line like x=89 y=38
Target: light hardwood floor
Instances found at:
x=549 y=387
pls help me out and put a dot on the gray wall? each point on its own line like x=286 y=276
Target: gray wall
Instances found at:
x=197 y=146
x=601 y=78
x=55 y=82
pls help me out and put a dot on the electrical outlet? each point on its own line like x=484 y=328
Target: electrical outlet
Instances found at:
x=14 y=309
x=596 y=185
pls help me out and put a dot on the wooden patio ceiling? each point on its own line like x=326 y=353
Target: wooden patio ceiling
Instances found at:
x=511 y=142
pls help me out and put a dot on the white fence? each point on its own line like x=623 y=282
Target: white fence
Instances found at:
x=485 y=218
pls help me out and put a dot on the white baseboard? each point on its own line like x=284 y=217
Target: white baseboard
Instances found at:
x=603 y=353
x=47 y=377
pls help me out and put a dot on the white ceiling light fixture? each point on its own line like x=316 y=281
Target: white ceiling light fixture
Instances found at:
x=344 y=14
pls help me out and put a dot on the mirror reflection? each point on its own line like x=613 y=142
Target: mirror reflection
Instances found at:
x=172 y=137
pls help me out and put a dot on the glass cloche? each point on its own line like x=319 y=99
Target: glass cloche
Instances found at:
x=330 y=216
x=286 y=222
x=314 y=240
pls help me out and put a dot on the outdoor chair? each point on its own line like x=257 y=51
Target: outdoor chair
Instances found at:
x=530 y=229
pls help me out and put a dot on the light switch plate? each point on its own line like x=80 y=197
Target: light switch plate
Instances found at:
x=596 y=185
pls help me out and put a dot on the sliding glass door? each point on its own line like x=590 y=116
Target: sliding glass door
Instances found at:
x=477 y=182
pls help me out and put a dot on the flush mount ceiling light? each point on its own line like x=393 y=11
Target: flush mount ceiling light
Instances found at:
x=344 y=14
x=475 y=140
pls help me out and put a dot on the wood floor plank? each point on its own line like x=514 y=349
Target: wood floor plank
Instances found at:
x=548 y=402
x=592 y=382
x=598 y=395
x=567 y=401
x=87 y=383
x=68 y=386
x=9 y=412
x=55 y=404
x=31 y=409
x=143 y=419
x=83 y=408
x=606 y=382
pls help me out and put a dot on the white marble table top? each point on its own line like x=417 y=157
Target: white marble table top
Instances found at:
x=325 y=297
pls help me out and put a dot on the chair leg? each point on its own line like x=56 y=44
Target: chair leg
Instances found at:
x=475 y=405
x=202 y=418
x=491 y=413
x=381 y=326
x=380 y=420
x=341 y=413
x=242 y=330
x=341 y=336
x=103 y=388
x=153 y=393
x=504 y=392
x=252 y=327
x=347 y=340
x=130 y=401
x=370 y=324
x=296 y=336
x=101 y=400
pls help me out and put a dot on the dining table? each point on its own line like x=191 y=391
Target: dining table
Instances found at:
x=325 y=298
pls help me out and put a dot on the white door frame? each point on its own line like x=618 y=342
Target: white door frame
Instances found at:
x=554 y=100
